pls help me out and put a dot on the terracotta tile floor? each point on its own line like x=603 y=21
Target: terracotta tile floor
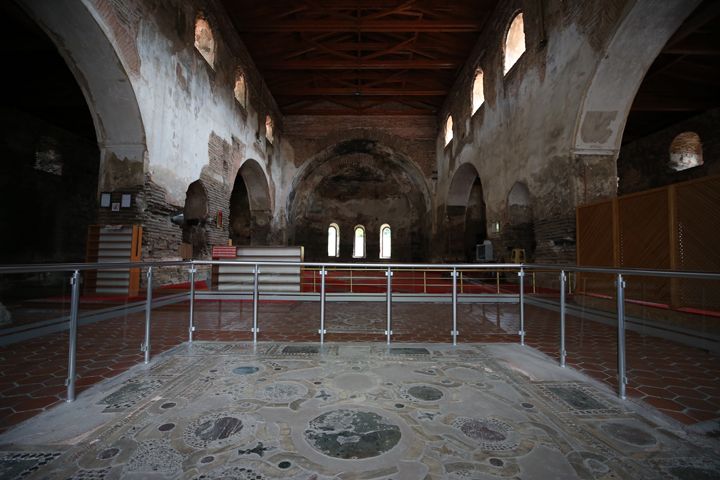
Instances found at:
x=680 y=381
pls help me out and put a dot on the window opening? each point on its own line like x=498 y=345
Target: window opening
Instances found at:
x=686 y=151
x=385 y=241
x=514 y=42
x=359 y=244
x=204 y=41
x=448 y=130
x=478 y=93
x=333 y=240
x=240 y=89
x=269 y=128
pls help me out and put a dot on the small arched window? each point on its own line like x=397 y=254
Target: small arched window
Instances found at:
x=478 y=93
x=240 y=89
x=385 y=241
x=514 y=42
x=448 y=130
x=204 y=40
x=686 y=151
x=333 y=240
x=269 y=134
x=359 y=243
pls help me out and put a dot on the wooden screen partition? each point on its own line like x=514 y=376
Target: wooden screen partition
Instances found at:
x=697 y=213
x=674 y=227
x=114 y=243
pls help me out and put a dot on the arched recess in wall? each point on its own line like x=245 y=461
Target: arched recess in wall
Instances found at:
x=250 y=208
x=638 y=40
x=360 y=182
x=195 y=216
x=466 y=214
x=520 y=228
x=64 y=131
x=102 y=75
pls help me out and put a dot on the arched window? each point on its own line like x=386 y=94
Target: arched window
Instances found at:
x=333 y=240
x=204 y=41
x=269 y=129
x=448 y=130
x=385 y=241
x=478 y=93
x=359 y=244
x=686 y=151
x=240 y=89
x=514 y=42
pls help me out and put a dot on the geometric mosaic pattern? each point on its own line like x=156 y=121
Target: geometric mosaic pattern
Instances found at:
x=358 y=411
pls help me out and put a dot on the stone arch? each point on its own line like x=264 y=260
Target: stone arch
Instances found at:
x=92 y=58
x=466 y=218
x=638 y=40
x=351 y=169
x=195 y=216
x=519 y=231
x=250 y=206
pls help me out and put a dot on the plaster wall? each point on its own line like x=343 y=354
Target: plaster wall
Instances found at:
x=528 y=128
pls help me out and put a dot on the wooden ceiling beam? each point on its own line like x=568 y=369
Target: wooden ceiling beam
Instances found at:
x=360 y=25
x=330 y=64
x=359 y=91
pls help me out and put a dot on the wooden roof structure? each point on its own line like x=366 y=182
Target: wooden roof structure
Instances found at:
x=359 y=57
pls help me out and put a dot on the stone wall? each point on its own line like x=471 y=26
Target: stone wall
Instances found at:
x=525 y=129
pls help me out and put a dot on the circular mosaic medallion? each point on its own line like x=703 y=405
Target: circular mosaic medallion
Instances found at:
x=425 y=393
x=108 y=453
x=284 y=391
x=491 y=433
x=245 y=370
x=352 y=434
x=218 y=430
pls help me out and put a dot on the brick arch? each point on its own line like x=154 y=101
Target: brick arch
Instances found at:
x=93 y=58
x=637 y=42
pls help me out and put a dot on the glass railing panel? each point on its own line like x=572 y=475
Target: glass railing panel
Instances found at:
x=673 y=345
x=542 y=311
x=111 y=325
x=33 y=344
x=591 y=325
x=488 y=308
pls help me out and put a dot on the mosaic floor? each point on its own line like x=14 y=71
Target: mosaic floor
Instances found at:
x=217 y=410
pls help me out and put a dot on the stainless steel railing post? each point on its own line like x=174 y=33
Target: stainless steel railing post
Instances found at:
x=454 y=332
x=191 y=329
x=255 y=328
x=521 y=274
x=72 y=338
x=563 y=281
x=622 y=378
x=388 y=332
x=145 y=347
x=322 y=331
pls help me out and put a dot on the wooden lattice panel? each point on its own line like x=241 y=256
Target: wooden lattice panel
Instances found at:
x=698 y=240
x=595 y=246
x=644 y=242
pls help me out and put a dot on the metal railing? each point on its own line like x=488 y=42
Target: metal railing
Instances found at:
x=455 y=271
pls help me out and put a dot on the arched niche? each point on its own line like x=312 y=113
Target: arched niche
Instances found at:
x=466 y=222
x=250 y=208
x=195 y=215
x=90 y=53
x=360 y=182
x=520 y=228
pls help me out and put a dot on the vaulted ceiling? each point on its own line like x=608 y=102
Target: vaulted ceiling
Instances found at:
x=684 y=80
x=359 y=56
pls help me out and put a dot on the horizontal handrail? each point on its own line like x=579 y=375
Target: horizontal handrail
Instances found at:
x=494 y=267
